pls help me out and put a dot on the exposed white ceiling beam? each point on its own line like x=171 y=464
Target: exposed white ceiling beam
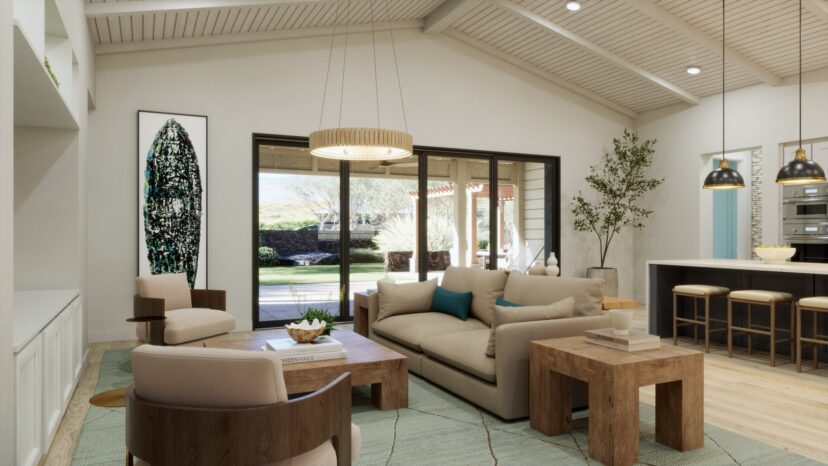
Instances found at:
x=168 y=6
x=818 y=7
x=187 y=42
x=651 y=9
x=596 y=50
x=447 y=13
x=539 y=72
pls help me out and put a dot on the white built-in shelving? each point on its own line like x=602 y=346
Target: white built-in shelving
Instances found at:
x=40 y=34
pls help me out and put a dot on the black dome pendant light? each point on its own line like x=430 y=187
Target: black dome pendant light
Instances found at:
x=800 y=170
x=723 y=177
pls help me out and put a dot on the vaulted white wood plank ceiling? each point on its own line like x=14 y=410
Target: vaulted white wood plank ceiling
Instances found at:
x=628 y=55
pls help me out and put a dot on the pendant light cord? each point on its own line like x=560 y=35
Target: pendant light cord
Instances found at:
x=396 y=66
x=724 y=157
x=328 y=71
x=800 y=74
x=374 y=56
x=344 y=60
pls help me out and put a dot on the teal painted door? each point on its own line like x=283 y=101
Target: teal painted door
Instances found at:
x=725 y=216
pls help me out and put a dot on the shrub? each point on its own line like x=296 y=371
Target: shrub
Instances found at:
x=268 y=257
x=397 y=234
x=366 y=256
x=482 y=244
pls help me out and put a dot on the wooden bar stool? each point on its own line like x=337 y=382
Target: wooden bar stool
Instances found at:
x=760 y=298
x=697 y=292
x=817 y=305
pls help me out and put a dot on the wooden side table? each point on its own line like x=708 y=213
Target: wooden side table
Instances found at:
x=361 y=299
x=614 y=377
x=612 y=302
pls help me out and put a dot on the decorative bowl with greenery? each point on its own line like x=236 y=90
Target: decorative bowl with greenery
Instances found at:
x=323 y=315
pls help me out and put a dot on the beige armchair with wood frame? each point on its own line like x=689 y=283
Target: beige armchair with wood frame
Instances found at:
x=212 y=406
x=184 y=315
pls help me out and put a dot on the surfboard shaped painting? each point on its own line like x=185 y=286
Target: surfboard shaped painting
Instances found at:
x=172 y=210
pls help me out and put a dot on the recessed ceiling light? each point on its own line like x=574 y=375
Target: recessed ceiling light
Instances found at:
x=573 y=5
x=694 y=70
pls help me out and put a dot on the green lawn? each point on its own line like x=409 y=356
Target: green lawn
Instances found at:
x=314 y=274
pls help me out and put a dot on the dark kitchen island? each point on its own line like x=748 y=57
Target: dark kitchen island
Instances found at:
x=798 y=278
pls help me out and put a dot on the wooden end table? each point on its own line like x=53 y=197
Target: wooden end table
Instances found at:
x=613 y=302
x=361 y=299
x=614 y=377
x=368 y=362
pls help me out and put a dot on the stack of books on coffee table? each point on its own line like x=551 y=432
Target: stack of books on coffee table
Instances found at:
x=635 y=341
x=289 y=351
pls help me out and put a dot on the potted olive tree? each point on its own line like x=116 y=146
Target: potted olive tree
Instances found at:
x=619 y=182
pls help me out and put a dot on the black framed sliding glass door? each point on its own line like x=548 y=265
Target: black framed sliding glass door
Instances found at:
x=324 y=229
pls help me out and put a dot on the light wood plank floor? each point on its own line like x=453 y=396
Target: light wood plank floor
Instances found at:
x=743 y=394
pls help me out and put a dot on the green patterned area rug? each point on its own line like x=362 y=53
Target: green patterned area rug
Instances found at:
x=441 y=429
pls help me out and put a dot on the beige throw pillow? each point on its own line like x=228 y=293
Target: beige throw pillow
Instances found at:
x=510 y=314
x=535 y=290
x=405 y=298
x=485 y=285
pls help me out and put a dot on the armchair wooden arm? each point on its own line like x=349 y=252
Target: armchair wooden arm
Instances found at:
x=143 y=308
x=164 y=434
x=211 y=299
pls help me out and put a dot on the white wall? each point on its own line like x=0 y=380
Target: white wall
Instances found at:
x=757 y=116
x=6 y=235
x=455 y=96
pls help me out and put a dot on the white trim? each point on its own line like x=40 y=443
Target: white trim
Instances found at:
x=743 y=239
x=539 y=72
x=187 y=42
x=596 y=50
x=100 y=9
x=447 y=13
x=666 y=18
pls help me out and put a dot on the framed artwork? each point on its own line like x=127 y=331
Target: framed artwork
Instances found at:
x=172 y=195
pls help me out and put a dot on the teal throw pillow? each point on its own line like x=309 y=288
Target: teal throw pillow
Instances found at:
x=502 y=302
x=452 y=302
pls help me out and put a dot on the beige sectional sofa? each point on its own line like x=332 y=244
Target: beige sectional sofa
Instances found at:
x=451 y=352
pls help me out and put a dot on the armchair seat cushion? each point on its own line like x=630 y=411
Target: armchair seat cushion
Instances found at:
x=412 y=329
x=323 y=455
x=464 y=351
x=183 y=325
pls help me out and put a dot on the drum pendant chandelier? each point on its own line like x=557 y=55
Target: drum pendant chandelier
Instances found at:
x=800 y=170
x=361 y=143
x=723 y=177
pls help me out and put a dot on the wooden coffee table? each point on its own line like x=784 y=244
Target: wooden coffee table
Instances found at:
x=614 y=377
x=368 y=362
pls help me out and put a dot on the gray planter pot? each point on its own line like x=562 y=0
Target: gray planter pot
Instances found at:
x=610 y=277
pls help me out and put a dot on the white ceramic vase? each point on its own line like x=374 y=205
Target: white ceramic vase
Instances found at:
x=537 y=268
x=621 y=320
x=552 y=268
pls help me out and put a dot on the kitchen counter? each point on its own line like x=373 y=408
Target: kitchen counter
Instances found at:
x=802 y=279
x=736 y=264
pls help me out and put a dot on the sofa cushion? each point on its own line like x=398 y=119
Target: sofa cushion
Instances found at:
x=536 y=290
x=453 y=303
x=464 y=351
x=412 y=329
x=485 y=285
x=183 y=325
x=405 y=298
x=509 y=314
x=171 y=287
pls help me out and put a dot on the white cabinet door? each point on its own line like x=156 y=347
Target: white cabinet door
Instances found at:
x=52 y=393
x=67 y=364
x=820 y=154
x=28 y=377
x=77 y=310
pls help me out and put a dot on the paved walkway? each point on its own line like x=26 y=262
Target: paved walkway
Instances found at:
x=288 y=302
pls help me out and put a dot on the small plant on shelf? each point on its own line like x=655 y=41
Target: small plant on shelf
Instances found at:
x=51 y=73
